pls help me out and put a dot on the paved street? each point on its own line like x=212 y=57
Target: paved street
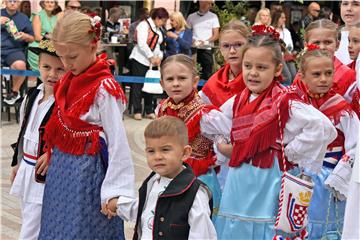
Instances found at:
x=10 y=207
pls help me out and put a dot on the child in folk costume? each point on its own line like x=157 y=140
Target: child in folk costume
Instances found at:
x=34 y=114
x=324 y=33
x=354 y=50
x=204 y=122
x=250 y=198
x=172 y=203
x=326 y=212
x=90 y=158
x=227 y=81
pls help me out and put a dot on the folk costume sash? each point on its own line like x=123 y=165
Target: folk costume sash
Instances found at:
x=255 y=126
x=218 y=88
x=73 y=97
x=343 y=77
x=191 y=110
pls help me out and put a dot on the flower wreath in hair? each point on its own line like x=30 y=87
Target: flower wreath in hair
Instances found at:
x=263 y=30
x=95 y=28
x=308 y=47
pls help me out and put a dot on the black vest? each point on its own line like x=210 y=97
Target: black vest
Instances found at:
x=31 y=96
x=172 y=207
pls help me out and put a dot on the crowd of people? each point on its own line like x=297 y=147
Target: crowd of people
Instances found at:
x=265 y=150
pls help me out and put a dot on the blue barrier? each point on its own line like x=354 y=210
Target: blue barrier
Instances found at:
x=119 y=78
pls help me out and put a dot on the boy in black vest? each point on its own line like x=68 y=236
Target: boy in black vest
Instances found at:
x=29 y=149
x=172 y=203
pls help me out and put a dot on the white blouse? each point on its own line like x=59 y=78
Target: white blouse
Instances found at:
x=307 y=134
x=108 y=113
x=201 y=226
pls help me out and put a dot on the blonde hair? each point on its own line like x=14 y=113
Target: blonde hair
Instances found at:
x=304 y=59
x=179 y=18
x=236 y=26
x=167 y=126
x=74 y=27
x=182 y=59
x=322 y=23
x=257 y=18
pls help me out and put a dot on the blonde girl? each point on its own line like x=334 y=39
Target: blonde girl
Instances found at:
x=263 y=17
x=326 y=211
x=90 y=162
x=250 y=197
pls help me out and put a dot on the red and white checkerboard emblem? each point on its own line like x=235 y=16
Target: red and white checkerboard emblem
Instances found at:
x=296 y=214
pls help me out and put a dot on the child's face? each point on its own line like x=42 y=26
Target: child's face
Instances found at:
x=76 y=58
x=354 y=42
x=166 y=154
x=350 y=12
x=230 y=47
x=324 y=38
x=259 y=69
x=318 y=74
x=178 y=81
x=51 y=69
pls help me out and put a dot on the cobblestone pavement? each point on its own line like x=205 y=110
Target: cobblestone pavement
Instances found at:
x=10 y=207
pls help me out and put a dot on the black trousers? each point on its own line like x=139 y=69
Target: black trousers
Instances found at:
x=138 y=69
x=205 y=58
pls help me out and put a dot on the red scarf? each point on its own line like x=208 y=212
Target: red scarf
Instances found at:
x=331 y=104
x=343 y=77
x=256 y=126
x=352 y=65
x=218 y=88
x=74 y=96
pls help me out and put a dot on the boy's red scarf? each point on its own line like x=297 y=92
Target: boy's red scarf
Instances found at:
x=218 y=88
x=73 y=97
x=343 y=77
x=191 y=110
x=256 y=126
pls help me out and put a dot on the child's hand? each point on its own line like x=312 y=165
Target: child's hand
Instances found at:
x=225 y=149
x=109 y=209
x=42 y=165
x=13 y=173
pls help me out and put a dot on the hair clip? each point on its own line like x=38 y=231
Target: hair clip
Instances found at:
x=263 y=30
x=95 y=28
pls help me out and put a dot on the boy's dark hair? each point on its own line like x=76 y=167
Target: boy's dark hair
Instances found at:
x=167 y=126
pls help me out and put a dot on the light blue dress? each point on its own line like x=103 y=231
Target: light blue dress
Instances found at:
x=249 y=203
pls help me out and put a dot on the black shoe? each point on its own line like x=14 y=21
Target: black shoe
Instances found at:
x=11 y=98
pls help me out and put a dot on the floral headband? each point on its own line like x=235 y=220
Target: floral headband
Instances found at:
x=95 y=28
x=263 y=29
x=309 y=47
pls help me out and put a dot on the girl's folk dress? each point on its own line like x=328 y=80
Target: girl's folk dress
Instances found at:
x=250 y=198
x=90 y=157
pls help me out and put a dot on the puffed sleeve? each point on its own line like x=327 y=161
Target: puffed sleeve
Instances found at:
x=119 y=179
x=201 y=226
x=307 y=134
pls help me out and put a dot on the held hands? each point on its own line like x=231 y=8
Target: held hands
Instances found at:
x=42 y=165
x=225 y=149
x=13 y=173
x=109 y=209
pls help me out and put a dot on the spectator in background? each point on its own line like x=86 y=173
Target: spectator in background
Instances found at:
x=312 y=15
x=25 y=8
x=251 y=15
x=112 y=24
x=289 y=69
x=72 y=5
x=274 y=7
x=296 y=37
x=179 y=37
x=350 y=14
x=263 y=17
x=13 y=51
x=43 y=24
x=146 y=52
x=205 y=28
x=326 y=12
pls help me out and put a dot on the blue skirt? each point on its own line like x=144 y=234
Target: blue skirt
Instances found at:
x=72 y=203
x=319 y=225
x=249 y=203
x=211 y=181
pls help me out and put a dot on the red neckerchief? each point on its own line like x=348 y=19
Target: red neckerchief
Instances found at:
x=331 y=104
x=256 y=127
x=352 y=65
x=343 y=77
x=73 y=97
x=218 y=88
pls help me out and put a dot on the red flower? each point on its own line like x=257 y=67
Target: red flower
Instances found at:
x=311 y=47
x=262 y=30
